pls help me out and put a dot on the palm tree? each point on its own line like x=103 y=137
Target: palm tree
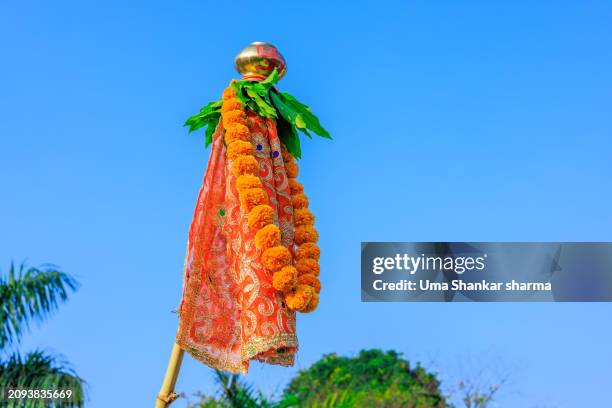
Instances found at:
x=30 y=294
x=233 y=393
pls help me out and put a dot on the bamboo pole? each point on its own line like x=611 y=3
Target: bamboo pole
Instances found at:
x=166 y=394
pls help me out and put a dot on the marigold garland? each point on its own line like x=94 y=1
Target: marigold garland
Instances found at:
x=305 y=234
x=307 y=265
x=299 y=201
x=299 y=297
x=287 y=157
x=312 y=305
x=295 y=187
x=236 y=116
x=310 y=279
x=267 y=237
x=303 y=216
x=275 y=258
x=260 y=216
x=298 y=283
x=236 y=132
x=247 y=181
x=292 y=169
x=228 y=94
x=305 y=237
x=308 y=250
x=239 y=148
x=230 y=105
x=244 y=165
x=252 y=197
x=285 y=279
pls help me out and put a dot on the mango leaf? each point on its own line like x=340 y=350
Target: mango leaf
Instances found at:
x=297 y=114
x=252 y=105
x=289 y=137
x=259 y=92
x=299 y=122
x=263 y=92
x=311 y=121
x=210 y=130
x=255 y=95
x=208 y=112
x=272 y=79
x=291 y=99
x=212 y=106
x=285 y=111
x=207 y=117
x=236 y=86
x=264 y=108
x=306 y=132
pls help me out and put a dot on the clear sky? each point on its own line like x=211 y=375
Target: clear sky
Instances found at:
x=462 y=121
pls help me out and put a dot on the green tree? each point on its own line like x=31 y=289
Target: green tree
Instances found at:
x=27 y=295
x=372 y=378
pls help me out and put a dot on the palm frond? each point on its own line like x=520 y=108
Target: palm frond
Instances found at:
x=41 y=371
x=235 y=393
x=28 y=294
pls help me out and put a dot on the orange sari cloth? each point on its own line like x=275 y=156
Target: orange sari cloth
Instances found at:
x=230 y=313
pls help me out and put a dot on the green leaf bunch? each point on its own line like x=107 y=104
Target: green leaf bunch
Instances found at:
x=256 y=95
x=207 y=117
x=30 y=294
x=41 y=371
x=267 y=102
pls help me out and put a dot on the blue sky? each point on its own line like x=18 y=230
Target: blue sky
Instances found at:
x=476 y=120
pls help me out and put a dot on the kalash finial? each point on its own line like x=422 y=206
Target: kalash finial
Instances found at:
x=257 y=61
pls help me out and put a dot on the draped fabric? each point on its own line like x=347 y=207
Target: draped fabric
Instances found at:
x=230 y=313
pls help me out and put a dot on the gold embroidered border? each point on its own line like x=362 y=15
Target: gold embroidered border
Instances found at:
x=260 y=345
x=286 y=360
x=212 y=362
x=252 y=350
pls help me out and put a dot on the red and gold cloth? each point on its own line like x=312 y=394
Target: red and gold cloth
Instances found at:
x=230 y=313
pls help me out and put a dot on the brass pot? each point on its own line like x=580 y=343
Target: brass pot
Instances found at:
x=257 y=61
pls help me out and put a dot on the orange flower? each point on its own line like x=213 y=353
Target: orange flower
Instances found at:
x=228 y=94
x=230 y=105
x=276 y=257
x=267 y=237
x=307 y=265
x=312 y=305
x=244 y=165
x=252 y=197
x=303 y=216
x=308 y=250
x=287 y=157
x=291 y=168
x=299 y=297
x=299 y=201
x=261 y=216
x=305 y=233
x=295 y=186
x=310 y=280
x=239 y=148
x=247 y=181
x=235 y=117
x=237 y=132
x=284 y=279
